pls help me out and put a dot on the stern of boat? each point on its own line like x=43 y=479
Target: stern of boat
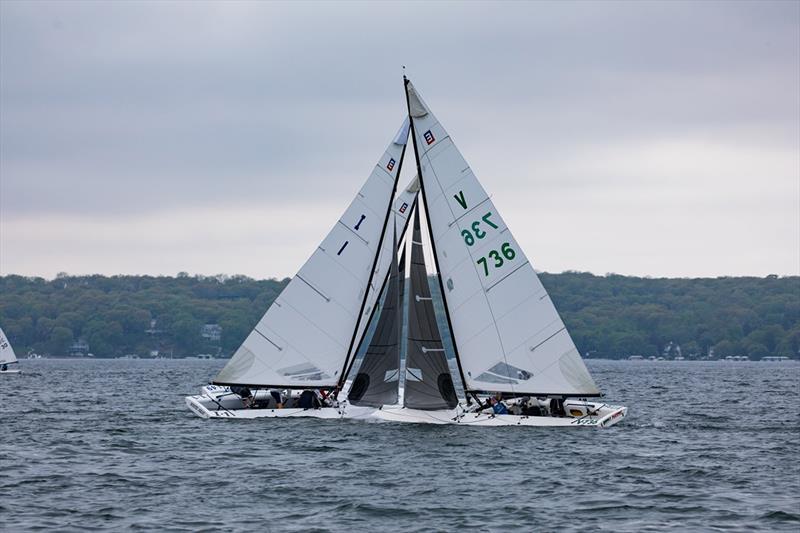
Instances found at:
x=617 y=414
x=195 y=405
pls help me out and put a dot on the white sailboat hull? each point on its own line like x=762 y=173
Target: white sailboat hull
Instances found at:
x=10 y=371
x=216 y=403
x=458 y=416
x=204 y=407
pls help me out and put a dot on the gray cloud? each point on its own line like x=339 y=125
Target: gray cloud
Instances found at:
x=651 y=123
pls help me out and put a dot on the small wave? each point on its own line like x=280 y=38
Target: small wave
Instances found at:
x=781 y=517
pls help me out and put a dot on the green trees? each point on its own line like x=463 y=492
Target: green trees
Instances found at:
x=615 y=316
x=608 y=316
x=114 y=314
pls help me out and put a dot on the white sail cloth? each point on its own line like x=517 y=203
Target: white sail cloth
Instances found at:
x=304 y=337
x=7 y=355
x=508 y=334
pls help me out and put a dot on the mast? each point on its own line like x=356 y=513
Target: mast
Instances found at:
x=389 y=207
x=376 y=306
x=433 y=244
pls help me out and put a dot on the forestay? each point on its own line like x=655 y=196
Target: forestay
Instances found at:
x=303 y=339
x=508 y=335
x=7 y=355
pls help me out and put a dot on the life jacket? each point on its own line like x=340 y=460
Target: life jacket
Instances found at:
x=500 y=409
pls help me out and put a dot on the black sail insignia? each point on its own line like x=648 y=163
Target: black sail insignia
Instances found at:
x=428 y=383
x=378 y=379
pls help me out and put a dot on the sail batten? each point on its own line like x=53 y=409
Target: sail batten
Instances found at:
x=304 y=338
x=508 y=334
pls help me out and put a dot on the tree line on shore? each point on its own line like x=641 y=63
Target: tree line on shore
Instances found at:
x=609 y=316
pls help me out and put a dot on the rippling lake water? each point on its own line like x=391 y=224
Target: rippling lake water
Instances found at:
x=109 y=444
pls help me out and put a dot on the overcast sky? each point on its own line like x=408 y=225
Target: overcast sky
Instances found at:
x=658 y=139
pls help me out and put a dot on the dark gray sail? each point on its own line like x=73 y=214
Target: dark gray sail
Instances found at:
x=428 y=384
x=378 y=379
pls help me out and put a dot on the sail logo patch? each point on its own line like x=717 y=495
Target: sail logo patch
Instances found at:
x=360 y=220
x=403 y=208
x=429 y=137
x=390 y=164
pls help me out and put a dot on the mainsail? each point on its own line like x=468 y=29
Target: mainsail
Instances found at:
x=378 y=379
x=428 y=384
x=304 y=338
x=507 y=333
x=7 y=355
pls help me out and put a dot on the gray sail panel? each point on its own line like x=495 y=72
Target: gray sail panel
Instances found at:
x=378 y=379
x=428 y=383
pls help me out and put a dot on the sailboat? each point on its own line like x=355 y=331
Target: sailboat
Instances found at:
x=514 y=359
x=7 y=356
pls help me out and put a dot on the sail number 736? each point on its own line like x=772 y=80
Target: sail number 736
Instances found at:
x=507 y=251
x=476 y=229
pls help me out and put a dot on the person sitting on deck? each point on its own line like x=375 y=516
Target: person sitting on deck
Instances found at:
x=309 y=400
x=498 y=406
x=557 y=407
x=530 y=407
x=324 y=398
x=244 y=393
x=4 y=367
x=276 y=395
x=484 y=406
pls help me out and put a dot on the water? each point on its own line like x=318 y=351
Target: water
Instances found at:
x=91 y=445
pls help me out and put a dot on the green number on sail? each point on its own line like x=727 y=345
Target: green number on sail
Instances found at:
x=468 y=238
x=508 y=251
x=498 y=261
x=476 y=228
x=482 y=260
x=486 y=219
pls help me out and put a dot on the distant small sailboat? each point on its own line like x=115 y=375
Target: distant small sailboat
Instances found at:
x=515 y=358
x=7 y=356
